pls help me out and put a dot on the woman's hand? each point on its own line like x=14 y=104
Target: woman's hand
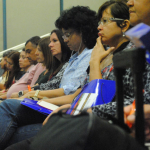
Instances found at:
x=55 y=111
x=99 y=53
x=29 y=94
x=131 y=119
x=4 y=96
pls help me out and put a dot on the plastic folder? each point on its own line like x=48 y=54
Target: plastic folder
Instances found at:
x=96 y=92
x=139 y=35
x=33 y=104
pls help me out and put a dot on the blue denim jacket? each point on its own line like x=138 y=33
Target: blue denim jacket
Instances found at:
x=75 y=73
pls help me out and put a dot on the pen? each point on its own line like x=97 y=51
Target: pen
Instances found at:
x=131 y=112
x=29 y=88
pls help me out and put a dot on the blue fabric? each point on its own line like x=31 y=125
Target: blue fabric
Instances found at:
x=75 y=73
x=25 y=132
x=13 y=115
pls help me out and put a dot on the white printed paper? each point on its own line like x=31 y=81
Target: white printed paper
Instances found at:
x=47 y=105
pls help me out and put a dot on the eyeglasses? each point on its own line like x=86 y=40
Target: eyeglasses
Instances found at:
x=67 y=35
x=104 y=21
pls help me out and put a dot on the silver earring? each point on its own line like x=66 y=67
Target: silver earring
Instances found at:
x=123 y=34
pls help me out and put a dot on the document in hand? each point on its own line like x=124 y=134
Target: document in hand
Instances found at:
x=96 y=92
x=40 y=106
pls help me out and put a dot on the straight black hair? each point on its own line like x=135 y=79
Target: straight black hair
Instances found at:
x=34 y=40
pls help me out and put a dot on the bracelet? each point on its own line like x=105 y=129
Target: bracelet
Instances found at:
x=36 y=94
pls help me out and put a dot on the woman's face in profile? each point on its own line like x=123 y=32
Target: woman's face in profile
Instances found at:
x=39 y=55
x=72 y=39
x=10 y=64
x=23 y=60
x=55 y=45
x=139 y=11
x=109 y=31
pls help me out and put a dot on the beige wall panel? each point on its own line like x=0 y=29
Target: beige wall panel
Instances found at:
x=27 y=18
x=93 y=4
x=1 y=26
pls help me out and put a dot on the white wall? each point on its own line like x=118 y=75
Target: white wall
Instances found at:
x=1 y=26
x=27 y=18
x=93 y=4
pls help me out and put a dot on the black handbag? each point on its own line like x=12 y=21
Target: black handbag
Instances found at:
x=83 y=132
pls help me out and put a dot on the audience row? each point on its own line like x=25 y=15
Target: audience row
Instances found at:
x=57 y=67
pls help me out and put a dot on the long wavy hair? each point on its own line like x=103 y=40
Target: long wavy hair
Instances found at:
x=14 y=56
x=5 y=54
x=50 y=62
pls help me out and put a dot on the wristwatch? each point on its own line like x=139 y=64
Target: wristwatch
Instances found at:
x=20 y=93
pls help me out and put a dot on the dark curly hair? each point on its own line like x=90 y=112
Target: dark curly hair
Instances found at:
x=118 y=10
x=82 y=20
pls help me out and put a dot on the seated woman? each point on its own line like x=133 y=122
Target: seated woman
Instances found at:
x=15 y=72
x=3 y=64
x=44 y=55
x=56 y=65
x=24 y=65
x=23 y=61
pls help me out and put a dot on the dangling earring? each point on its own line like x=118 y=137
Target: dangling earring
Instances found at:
x=123 y=34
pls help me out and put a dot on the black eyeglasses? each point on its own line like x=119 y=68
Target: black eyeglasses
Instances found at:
x=67 y=35
x=104 y=21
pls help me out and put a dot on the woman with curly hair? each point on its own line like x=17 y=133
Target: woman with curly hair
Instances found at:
x=80 y=22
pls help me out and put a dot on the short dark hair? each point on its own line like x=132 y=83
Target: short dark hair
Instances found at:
x=34 y=40
x=66 y=52
x=82 y=20
x=14 y=56
x=118 y=10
